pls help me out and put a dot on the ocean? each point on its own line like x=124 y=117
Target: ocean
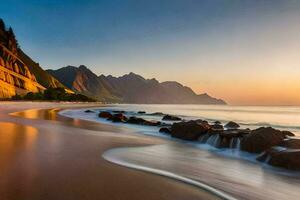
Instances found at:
x=229 y=170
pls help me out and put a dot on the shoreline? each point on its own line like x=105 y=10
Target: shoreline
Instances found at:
x=61 y=159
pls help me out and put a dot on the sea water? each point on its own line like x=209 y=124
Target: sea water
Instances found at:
x=230 y=170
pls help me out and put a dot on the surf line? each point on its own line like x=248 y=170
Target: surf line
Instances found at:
x=108 y=155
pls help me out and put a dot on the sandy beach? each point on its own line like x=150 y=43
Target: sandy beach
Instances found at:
x=47 y=156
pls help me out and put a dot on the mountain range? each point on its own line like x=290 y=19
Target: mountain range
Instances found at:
x=130 y=88
x=19 y=74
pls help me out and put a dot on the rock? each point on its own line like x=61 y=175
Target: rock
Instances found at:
x=190 y=130
x=261 y=139
x=105 y=114
x=165 y=130
x=291 y=143
x=88 y=111
x=141 y=112
x=119 y=111
x=217 y=127
x=229 y=138
x=157 y=114
x=232 y=125
x=141 y=121
x=118 y=118
x=217 y=123
x=171 y=118
x=288 y=133
x=281 y=157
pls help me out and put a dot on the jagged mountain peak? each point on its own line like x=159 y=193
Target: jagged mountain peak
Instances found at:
x=131 y=88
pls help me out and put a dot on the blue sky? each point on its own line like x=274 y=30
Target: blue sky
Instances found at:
x=183 y=40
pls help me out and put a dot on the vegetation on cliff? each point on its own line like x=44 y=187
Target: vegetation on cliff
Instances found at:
x=53 y=94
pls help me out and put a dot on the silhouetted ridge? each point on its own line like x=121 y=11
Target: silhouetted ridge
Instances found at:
x=129 y=88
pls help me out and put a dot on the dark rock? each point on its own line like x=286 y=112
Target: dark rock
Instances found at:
x=282 y=157
x=165 y=130
x=88 y=111
x=141 y=121
x=157 y=114
x=171 y=118
x=118 y=118
x=261 y=139
x=105 y=114
x=232 y=125
x=217 y=123
x=228 y=138
x=217 y=127
x=119 y=111
x=190 y=130
x=141 y=112
x=288 y=133
x=291 y=143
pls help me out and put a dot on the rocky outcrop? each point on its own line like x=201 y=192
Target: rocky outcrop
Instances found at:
x=190 y=130
x=282 y=157
x=262 y=139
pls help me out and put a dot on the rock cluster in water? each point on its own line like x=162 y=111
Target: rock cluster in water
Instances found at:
x=273 y=146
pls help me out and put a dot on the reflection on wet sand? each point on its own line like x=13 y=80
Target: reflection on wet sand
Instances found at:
x=52 y=115
x=60 y=159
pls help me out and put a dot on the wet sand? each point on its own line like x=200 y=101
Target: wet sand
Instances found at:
x=46 y=156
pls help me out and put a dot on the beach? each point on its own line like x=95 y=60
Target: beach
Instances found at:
x=47 y=156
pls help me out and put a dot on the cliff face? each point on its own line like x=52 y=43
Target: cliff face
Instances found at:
x=19 y=74
x=130 y=88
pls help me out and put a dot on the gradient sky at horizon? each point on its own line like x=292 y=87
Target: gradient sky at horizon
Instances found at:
x=244 y=51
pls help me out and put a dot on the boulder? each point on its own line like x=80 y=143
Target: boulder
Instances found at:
x=105 y=114
x=190 y=130
x=141 y=112
x=217 y=123
x=171 y=118
x=232 y=125
x=165 y=130
x=261 y=139
x=88 y=111
x=281 y=157
x=118 y=118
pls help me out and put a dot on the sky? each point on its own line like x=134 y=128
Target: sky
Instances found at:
x=243 y=51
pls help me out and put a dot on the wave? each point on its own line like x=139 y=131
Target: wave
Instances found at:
x=108 y=155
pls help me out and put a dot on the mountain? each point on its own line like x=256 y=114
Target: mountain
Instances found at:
x=130 y=88
x=84 y=81
x=19 y=74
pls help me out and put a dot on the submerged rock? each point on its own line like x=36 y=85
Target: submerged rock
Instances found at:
x=118 y=118
x=232 y=125
x=119 y=111
x=88 y=111
x=262 y=139
x=157 y=114
x=105 y=114
x=171 y=118
x=190 y=130
x=281 y=157
x=141 y=112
